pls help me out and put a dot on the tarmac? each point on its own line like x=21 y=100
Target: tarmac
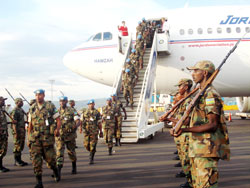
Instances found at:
x=145 y=164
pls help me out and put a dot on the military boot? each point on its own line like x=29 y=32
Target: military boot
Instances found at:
x=116 y=142
x=57 y=174
x=2 y=168
x=74 y=168
x=23 y=162
x=39 y=183
x=18 y=161
x=119 y=142
x=110 y=151
x=91 y=158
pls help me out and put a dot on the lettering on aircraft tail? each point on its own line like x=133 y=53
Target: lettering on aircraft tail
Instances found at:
x=235 y=20
x=105 y=60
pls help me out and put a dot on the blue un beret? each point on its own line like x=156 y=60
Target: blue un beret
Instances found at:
x=109 y=99
x=133 y=50
x=39 y=91
x=63 y=98
x=127 y=70
x=91 y=101
x=113 y=95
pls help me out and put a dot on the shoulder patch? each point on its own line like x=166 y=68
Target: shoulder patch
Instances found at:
x=210 y=101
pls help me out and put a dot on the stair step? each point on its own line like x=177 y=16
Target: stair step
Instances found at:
x=129 y=135
x=129 y=140
x=129 y=129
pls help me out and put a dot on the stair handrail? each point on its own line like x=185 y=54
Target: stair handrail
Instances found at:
x=117 y=81
x=145 y=82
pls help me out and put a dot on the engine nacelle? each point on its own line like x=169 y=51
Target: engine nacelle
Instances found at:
x=243 y=104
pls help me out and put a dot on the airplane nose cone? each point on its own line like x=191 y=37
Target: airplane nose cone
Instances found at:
x=69 y=61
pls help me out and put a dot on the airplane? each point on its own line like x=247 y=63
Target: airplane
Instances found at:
x=202 y=33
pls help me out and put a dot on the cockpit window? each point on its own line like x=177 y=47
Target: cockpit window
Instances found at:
x=89 y=38
x=107 y=36
x=97 y=37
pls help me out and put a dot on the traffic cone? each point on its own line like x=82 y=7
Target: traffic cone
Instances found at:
x=230 y=117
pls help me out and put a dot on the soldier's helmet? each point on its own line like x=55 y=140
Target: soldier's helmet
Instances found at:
x=139 y=37
x=133 y=50
x=187 y=81
x=127 y=70
x=39 y=91
x=203 y=65
x=128 y=60
x=17 y=100
x=63 y=98
x=92 y=101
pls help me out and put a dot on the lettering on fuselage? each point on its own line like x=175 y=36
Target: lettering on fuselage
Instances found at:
x=235 y=20
x=106 y=60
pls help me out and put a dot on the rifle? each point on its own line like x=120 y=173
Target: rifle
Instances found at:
x=62 y=93
x=24 y=98
x=203 y=89
x=169 y=113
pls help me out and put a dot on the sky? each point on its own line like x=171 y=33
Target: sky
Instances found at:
x=36 y=34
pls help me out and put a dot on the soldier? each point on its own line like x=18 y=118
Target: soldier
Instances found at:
x=67 y=134
x=3 y=135
x=132 y=69
x=91 y=123
x=183 y=140
x=144 y=24
x=72 y=105
x=128 y=88
x=209 y=139
x=18 y=131
x=42 y=116
x=138 y=29
x=108 y=117
x=118 y=119
x=135 y=61
x=140 y=49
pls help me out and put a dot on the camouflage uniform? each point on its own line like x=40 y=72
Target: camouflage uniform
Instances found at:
x=18 y=136
x=205 y=149
x=41 y=138
x=108 y=116
x=128 y=88
x=90 y=120
x=118 y=124
x=3 y=139
x=135 y=61
x=138 y=30
x=132 y=69
x=67 y=135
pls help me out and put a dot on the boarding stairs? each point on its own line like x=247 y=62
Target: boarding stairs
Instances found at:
x=136 y=125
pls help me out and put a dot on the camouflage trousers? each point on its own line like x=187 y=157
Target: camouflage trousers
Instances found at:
x=60 y=147
x=19 y=141
x=3 y=145
x=204 y=172
x=128 y=93
x=109 y=134
x=42 y=150
x=184 y=158
x=90 y=141
x=118 y=126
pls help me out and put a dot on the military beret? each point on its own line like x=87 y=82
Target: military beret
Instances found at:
x=63 y=98
x=133 y=50
x=18 y=100
x=139 y=22
x=2 y=99
x=91 y=101
x=139 y=37
x=143 y=19
x=203 y=65
x=185 y=81
x=70 y=101
x=39 y=91
x=109 y=99
x=127 y=70
x=113 y=95
x=127 y=60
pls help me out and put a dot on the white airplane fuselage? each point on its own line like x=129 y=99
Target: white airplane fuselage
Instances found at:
x=195 y=34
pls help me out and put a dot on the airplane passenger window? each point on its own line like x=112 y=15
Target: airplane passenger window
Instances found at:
x=248 y=29
x=107 y=36
x=219 y=30
x=98 y=37
x=228 y=30
x=182 y=32
x=190 y=31
x=238 y=29
x=209 y=30
x=200 y=31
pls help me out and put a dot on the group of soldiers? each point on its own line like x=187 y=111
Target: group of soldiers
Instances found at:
x=130 y=75
x=203 y=138
x=50 y=130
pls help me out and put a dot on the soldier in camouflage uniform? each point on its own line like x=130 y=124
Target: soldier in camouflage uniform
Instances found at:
x=72 y=105
x=135 y=61
x=3 y=135
x=67 y=134
x=129 y=65
x=108 y=118
x=18 y=131
x=140 y=47
x=128 y=88
x=42 y=128
x=139 y=29
x=91 y=123
x=209 y=139
x=183 y=140
x=118 y=119
x=144 y=24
